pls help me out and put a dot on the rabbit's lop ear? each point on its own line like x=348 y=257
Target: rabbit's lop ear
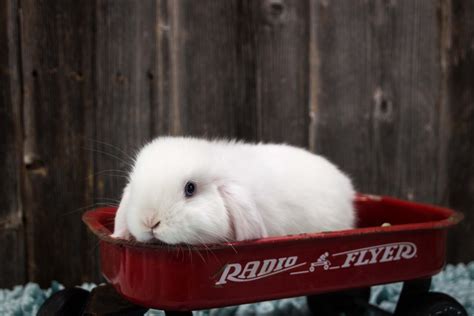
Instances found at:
x=246 y=221
x=120 y=225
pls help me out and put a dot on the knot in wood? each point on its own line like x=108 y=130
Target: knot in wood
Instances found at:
x=274 y=11
x=33 y=163
x=150 y=75
x=383 y=108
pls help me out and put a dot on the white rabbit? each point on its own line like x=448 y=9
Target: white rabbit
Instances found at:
x=189 y=190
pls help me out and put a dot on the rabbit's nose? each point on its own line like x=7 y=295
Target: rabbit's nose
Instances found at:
x=151 y=223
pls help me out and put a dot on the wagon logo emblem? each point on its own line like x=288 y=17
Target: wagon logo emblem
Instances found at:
x=258 y=269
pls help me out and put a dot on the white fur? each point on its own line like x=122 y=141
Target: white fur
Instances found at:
x=243 y=191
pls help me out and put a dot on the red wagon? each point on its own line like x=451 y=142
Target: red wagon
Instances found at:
x=327 y=267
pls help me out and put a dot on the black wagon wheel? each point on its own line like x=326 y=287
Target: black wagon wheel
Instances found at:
x=350 y=303
x=431 y=304
x=70 y=301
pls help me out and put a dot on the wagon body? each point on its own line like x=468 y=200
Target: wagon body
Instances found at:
x=189 y=278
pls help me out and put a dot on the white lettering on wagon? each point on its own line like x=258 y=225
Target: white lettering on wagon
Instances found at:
x=258 y=269
x=255 y=270
x=376 y=254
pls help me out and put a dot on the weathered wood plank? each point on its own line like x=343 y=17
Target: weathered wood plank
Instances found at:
x=377 y=83
x=57 y=45
x=238 y=69
x=211 y=75
x=281 y=35
x=12 y=268
x=460 y=63
x=127 y=92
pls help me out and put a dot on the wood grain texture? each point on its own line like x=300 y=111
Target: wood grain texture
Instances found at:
x=282 y=70
x=57 y=42
x=127 y=96
x=12 y=268
x=211 y=58
x=461 y=120
x=239 y=69
x=378 y=93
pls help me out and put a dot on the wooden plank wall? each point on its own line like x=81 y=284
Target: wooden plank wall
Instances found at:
x=380 y=87
x=12 y=237
x=57 y=50
x=377 y=107
x=460 y=83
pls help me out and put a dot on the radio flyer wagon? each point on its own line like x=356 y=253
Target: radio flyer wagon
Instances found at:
x=333 y=269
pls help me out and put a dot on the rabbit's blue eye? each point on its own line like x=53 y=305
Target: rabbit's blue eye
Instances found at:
x=189 y=189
